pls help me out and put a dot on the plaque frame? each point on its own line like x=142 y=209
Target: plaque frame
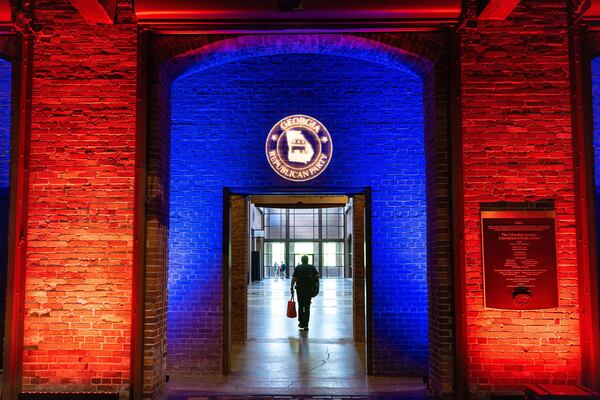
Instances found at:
x=511 y=215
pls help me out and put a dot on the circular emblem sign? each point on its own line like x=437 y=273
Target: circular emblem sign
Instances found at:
x=522 y=300
x=299 y=148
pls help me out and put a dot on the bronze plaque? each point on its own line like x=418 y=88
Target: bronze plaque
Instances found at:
x=519 y=259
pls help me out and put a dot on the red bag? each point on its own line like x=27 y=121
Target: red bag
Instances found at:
x=291 y=311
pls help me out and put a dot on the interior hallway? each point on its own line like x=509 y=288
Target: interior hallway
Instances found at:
x=279 y=359
x=292 y=358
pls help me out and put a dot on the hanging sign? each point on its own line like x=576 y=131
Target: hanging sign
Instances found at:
x=299 y=148
x=519 y=259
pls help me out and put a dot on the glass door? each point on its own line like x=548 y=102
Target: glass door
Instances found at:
x=333 y=260
x=295 y=232
x=274 y=256
x=299 y=249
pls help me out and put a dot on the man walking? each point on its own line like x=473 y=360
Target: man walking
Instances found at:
x=305 y=276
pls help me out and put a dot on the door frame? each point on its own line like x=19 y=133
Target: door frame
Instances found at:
x=228 y=192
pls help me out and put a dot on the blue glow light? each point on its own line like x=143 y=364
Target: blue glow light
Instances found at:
x=220 y=119
x=596 y=140
x=5 y=110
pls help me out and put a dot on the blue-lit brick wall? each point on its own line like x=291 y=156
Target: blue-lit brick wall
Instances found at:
x=5 y=109
x=220 y=120
x=596 y=144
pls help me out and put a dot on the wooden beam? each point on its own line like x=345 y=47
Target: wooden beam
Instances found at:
x=498 y=10
x=96 y=11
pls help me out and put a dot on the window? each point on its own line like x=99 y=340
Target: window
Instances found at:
x=333 y=223
x=304 y=224
x=275 y=223
x=274 y=254
x=333 y=258
x=315 y=232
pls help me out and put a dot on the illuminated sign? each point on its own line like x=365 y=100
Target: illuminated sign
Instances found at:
x=299 y=148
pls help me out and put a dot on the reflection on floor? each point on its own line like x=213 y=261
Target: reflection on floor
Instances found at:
x=279 y=359
x=330 y=318
x=291 y=358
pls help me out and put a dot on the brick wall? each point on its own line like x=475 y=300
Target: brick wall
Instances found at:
x=220 y=119
x=240 y=265
x=5 y=115
x=78 y=290
x=440 y=269
x=516 y=128
x=358 y=267
x=517 y=146
x=173 y=55
x=156 y=229
x=595 y=78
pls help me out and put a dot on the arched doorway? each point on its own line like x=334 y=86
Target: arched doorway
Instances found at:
x=229 y=54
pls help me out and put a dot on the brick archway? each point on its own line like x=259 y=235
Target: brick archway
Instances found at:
x=423 y=54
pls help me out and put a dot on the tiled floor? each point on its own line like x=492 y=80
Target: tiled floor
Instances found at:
x=278 y=361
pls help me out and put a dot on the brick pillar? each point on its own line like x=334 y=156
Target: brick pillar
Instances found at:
x=517 y=146
x=77 y=321
x=239 y=269
x=157 y=234
x=358 y=277
x=440 y=274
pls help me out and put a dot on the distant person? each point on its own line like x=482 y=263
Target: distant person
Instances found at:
x=283 y=268
x=276 y=268
x=305 y=276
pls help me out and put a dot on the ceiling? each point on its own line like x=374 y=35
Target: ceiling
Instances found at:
x=187 y=10
x=286 y=12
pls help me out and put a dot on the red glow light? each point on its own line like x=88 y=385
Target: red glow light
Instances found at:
x=189 y=10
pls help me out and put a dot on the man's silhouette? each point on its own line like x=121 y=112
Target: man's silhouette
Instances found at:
x=304 y=278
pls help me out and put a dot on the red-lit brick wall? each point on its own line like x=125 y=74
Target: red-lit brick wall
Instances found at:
x=517 y=146
x=80 y=224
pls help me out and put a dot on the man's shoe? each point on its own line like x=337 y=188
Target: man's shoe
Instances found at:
x=305 y=328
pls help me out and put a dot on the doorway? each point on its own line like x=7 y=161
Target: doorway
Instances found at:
x=263 y=346
x=404 y=162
